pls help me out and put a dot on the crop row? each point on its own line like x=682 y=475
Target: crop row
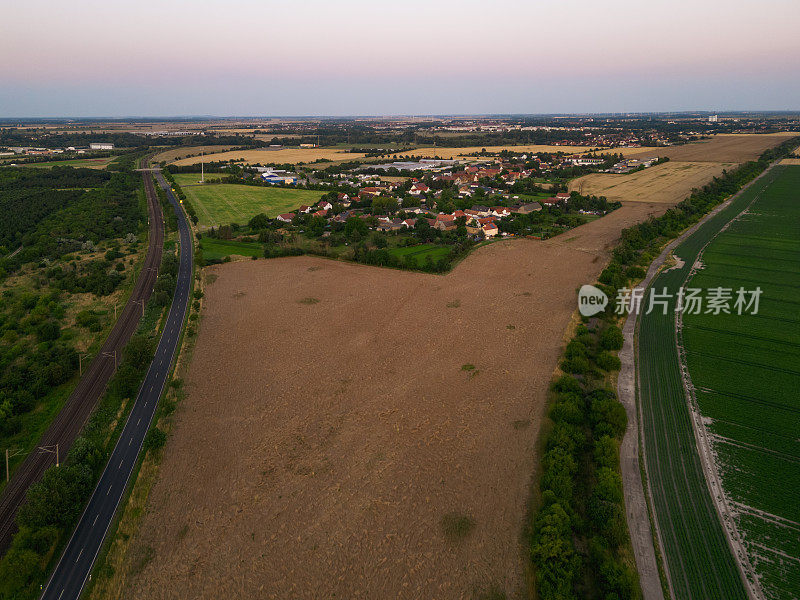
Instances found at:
x=699 y=559
x=747 y=372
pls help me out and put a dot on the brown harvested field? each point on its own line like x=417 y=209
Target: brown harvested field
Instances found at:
x=184 y=151
x=452 y=153
x=668 y=182
x=284 y=155
x=790 y=161
x=720 y=148
x=724 y=148
x=333 y=422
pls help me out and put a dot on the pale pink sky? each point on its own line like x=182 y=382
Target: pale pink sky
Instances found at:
x=172 y=57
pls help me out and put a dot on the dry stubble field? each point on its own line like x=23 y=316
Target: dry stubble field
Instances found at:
x=285 y=155
x=179 y=153
x=330 y=425
x=306 y=155
x=668 y=182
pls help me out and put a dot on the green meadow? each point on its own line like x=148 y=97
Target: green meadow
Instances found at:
x=225 y=203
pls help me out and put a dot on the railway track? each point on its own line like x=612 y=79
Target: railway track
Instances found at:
x=67 y=425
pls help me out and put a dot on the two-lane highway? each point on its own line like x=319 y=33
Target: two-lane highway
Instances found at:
x=72 y=571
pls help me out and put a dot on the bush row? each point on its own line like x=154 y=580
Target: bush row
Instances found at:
x=579 y=535
x=181 y=196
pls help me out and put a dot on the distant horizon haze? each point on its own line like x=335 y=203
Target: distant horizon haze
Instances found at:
x=312 y=58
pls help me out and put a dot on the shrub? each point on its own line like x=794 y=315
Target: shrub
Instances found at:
x=612 y=338
x=608 y=361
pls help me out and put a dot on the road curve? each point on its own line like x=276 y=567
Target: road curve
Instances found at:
x=75 y=565
x=70 y=420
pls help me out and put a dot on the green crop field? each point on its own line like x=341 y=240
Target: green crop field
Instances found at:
x=746 y=370
x=214 y=249
x=699 y=560
x=226 y=203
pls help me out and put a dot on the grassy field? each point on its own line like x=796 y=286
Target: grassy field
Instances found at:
x=222 y=204
x=89 y=163
x=746 y=370
x=214 y=249
x=699 y=559
x=422 y=252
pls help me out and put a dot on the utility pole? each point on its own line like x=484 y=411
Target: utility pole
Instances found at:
x=110 y=354
x=52 y=450
x=80 y=363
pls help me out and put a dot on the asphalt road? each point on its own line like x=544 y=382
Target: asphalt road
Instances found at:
x=67 y=425
x=72 y=571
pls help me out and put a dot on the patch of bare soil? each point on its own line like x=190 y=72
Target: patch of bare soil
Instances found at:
x=377 y=442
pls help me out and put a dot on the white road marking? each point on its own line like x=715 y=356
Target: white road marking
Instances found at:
x=95 y=519
x=79 y=555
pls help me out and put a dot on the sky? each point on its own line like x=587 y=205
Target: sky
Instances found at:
x=357 y=57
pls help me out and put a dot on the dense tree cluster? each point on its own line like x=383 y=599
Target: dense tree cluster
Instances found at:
x=52 y=212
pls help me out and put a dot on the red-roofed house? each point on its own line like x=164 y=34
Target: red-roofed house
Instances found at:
x=418 y=188
x=500 y=211
x=490 y=230
x=372 y=191
x=285 y=218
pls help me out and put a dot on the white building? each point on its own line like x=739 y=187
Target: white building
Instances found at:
x=101 y=146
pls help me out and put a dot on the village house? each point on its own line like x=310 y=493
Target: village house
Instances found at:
x=525 y=209
x=500 y=211
x=490 y=230
x=418 y=188
x=285 y=218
